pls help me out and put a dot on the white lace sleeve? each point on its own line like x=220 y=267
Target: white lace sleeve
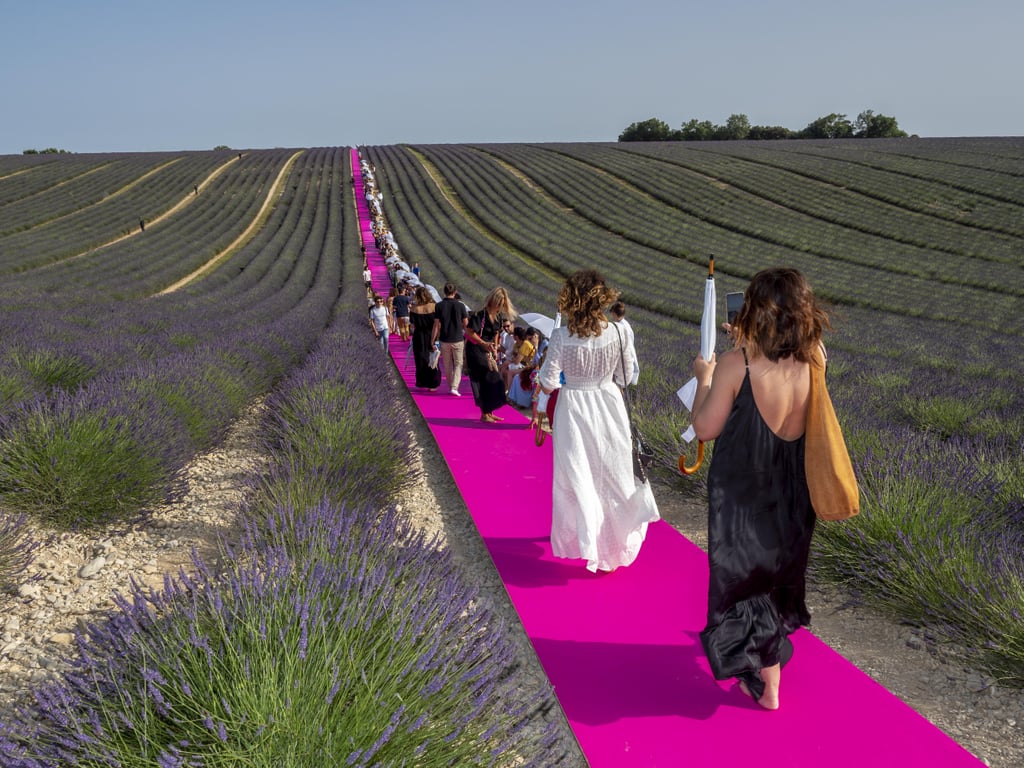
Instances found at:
x=550 y=372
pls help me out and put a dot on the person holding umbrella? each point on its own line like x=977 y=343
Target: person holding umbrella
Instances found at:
x=760 y=518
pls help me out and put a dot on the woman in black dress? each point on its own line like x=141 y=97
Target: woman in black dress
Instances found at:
x=760 y=519
x=421 y=315
x=481 y=353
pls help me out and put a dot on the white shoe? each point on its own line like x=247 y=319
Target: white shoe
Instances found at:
x=455 y=392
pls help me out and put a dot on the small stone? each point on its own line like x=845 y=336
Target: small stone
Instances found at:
x=9 y=647
x=93 y=567
x=62 y=638
x=29 y=591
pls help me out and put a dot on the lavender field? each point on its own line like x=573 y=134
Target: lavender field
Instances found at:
x=917 y=244
x=109 y=386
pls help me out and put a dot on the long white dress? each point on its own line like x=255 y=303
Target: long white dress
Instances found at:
x=599 y=512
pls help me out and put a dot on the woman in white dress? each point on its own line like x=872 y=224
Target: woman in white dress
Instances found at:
x=599 y=511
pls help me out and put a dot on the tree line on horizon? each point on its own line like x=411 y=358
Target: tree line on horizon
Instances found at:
x=868 y=125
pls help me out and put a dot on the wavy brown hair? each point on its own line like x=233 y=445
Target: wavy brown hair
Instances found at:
x=583 y=300
x=780 y=316
x=423 y=296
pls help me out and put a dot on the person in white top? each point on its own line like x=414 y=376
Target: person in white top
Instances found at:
x=618 y=313
x=379 y=321
x=599 y=510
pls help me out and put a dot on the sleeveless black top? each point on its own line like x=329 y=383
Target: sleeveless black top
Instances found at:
x=760 y=523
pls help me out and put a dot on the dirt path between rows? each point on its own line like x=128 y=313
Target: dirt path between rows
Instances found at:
x=272 y=194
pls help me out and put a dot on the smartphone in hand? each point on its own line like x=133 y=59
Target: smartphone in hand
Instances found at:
x=733 y=303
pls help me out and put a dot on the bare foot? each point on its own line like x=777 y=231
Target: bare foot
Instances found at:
x=771 y=677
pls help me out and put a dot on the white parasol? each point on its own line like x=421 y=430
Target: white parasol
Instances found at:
x=542 y=323
x=708 y=335
x=708 y=322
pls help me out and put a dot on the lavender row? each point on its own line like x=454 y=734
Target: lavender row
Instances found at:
x=339 y=636
x=941 y=387
x=706 y=205
x=79 y=188
x=22 y=176
x=448 y=247
x=132 y=397
x=71 y=337
x=119 y=214
x=876 y=182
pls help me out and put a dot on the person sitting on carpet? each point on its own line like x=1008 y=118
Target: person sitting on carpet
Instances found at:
x=520 y=393
x=522 y=356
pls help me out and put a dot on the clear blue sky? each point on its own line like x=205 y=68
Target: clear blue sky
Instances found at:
x=120 y=75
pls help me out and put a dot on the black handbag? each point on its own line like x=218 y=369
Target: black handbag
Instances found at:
x=643 y=454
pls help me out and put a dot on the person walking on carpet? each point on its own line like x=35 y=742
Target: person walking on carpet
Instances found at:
x=422 y=316
x=760 y=519
x=379 y=321
x=450 y=320
x=481 y=353
x=599 y=510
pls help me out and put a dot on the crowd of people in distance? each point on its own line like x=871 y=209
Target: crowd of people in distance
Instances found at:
x=439 y=327
x=752 y=400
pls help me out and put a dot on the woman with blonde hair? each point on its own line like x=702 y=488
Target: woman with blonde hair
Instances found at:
x=481 y=353
x=599 y=511
x=760 y=519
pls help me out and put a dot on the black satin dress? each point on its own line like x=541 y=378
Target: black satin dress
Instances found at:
x=760 y=523
x=422 y=328
x=487 y=385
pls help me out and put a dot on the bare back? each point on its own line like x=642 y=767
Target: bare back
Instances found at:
x=780 y=393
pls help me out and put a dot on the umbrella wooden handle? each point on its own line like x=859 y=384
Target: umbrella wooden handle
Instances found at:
x=696 y=465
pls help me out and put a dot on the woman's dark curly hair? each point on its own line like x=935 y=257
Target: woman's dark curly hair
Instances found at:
x=582 y=301
x=780 y=316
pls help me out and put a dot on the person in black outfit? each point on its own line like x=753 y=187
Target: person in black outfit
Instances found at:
x=481 y=353
x=450 y=320
x=422 y=318
x=760 y=519
x=401 y=304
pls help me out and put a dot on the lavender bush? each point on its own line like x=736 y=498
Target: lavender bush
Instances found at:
x=332 y=430
x=17 y=548
x=937 y=543
x=87 y=458
x=369 y=650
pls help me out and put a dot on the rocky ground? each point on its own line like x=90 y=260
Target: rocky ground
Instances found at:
x=76 y=574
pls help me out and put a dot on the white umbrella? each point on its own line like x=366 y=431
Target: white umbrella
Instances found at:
x=708 y=334
x=542 y=323
x=708 y=322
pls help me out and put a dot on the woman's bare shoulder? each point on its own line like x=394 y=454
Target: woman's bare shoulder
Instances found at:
x=731 y=363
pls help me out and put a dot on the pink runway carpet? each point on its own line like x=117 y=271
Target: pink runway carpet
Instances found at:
x=622 y=649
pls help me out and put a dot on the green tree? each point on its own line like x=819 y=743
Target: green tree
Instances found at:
x=737 y=127
x=697 y=130
x=833 y=126
x=872 y=126
x=769 y=132
x=651 y=129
